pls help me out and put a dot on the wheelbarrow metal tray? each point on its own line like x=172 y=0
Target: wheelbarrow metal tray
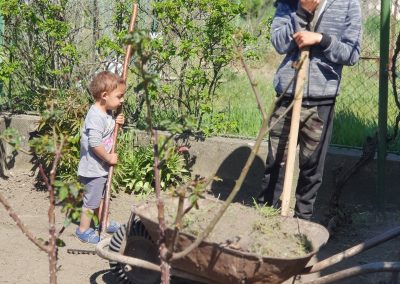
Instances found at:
x=222 y=264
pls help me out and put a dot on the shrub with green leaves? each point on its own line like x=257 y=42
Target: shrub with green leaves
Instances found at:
x=194 y=42
x=37 y=52
x=64 y=118
x=135 y=173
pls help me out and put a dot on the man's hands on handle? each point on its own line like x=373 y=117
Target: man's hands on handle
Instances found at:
x=307 y=38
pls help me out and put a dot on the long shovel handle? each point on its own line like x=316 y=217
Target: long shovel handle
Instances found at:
x=128 y=54
x=294 y=132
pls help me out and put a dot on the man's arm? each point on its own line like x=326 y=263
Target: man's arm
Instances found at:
x=282 y=29
x=347 y=49
x=286 y=23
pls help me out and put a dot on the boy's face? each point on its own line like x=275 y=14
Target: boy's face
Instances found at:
x=114 y=98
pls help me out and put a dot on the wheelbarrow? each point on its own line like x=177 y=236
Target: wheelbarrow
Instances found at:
x=134 y=257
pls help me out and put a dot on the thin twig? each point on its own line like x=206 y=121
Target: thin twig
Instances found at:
x=52 y=251
x=164 y=253
x=22 y=226
x=178 y=220
x=19 y=149
x=261 y=134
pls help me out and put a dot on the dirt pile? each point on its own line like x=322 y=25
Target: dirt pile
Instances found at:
x=258 y=231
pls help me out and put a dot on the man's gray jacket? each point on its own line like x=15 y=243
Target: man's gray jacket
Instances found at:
x=340 y=23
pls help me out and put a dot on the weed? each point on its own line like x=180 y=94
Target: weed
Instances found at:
x=265 y=210
x=304 y=243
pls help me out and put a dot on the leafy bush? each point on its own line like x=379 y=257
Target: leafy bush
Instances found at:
x=64 y=118
x=194 y=42
x=37 y=53
x=135 y=173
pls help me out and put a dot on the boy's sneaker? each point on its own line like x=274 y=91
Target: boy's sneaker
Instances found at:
x=113 y=227
x=89 y=236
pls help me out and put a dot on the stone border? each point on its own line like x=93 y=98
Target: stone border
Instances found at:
x=226 y=156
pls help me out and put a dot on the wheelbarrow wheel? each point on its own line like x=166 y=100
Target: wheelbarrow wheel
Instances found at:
x=138 y=245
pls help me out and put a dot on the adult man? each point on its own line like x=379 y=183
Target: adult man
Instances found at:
x=333 y=34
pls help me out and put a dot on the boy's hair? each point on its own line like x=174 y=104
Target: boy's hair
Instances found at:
x=105 y=81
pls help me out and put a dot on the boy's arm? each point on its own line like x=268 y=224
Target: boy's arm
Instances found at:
x=120 y=119
x=96 y=145
x=109 y=158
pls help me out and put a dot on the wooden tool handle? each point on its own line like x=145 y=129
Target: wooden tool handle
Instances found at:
x=106 y=201
x=294 y=132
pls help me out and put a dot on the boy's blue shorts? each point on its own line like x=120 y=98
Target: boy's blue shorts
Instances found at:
x=94 y=191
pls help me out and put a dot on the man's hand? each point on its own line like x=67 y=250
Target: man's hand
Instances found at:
x=120 y=119
x=306 y=38
x=309 y=5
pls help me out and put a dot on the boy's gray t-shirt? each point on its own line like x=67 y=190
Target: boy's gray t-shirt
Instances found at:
x=97 y=130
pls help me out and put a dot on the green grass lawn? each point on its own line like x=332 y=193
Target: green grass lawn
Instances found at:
x=238 y=101
x=356 y=114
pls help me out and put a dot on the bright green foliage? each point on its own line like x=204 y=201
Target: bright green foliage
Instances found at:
x=254 y=7
x=37 y=54
x=113 y=44
x=265 y=210
x=12 y=137
x=135 y=170
x=194 y=42
x=220 y=123
x=62 y=121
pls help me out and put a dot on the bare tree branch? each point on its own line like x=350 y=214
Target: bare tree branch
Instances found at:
x=22 y=226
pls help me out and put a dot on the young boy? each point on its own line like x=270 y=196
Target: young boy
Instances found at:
x=108 y=91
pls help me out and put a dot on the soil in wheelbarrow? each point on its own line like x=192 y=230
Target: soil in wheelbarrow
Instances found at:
x=260 y=230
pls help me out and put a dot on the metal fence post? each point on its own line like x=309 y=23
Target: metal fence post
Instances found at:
x=1 y=43
x=383 y=100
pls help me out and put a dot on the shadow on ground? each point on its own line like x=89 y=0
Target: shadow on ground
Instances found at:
x=229 y=171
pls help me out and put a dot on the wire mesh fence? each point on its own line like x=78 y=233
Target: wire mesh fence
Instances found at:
x=356 y=108
x=358 y=103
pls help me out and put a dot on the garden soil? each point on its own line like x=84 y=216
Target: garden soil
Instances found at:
x=22 y=262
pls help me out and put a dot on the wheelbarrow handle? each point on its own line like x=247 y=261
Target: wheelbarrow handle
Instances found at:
x=393 y=267
x=113 y=256
x=390 y=234
x=103 y=252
